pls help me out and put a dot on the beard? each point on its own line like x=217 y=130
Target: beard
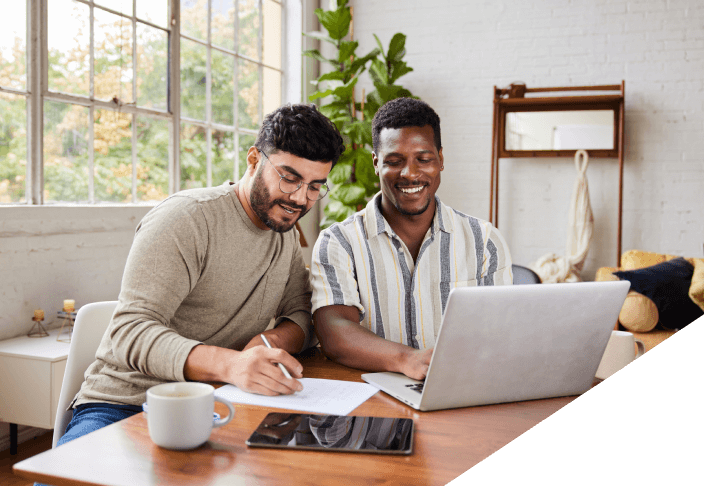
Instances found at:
x=262 y=205
x=415 y=211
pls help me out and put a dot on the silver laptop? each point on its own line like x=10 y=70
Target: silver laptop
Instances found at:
x=512 y=343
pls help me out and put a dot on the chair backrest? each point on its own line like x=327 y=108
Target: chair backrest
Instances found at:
x=524 y=275
x=91 y=322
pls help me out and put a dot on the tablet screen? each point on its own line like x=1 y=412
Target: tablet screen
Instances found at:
x=379 y=435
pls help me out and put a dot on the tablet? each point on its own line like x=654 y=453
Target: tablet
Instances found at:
x=338 y=433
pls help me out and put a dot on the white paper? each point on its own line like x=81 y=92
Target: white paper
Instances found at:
x=328 y=397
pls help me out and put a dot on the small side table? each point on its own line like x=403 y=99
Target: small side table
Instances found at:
x=32 y=371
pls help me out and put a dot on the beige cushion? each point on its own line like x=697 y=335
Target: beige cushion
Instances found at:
x=639 y=313
x=604 y=274
x=696 y=289
x=635 y=259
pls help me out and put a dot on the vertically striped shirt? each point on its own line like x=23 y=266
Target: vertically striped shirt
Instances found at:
x=361 y=262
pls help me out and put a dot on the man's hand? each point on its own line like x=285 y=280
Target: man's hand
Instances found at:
x=254 y=370
x=416 y=363
x=346 y=342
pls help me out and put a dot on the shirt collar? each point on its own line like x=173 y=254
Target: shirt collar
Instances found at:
x=375 y=223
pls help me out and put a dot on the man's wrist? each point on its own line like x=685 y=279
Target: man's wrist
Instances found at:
x=287 y=335
x=206 y=363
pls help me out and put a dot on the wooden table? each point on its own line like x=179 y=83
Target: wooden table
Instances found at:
x=446 y=444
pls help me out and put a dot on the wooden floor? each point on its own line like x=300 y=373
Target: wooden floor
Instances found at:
x=26 y=449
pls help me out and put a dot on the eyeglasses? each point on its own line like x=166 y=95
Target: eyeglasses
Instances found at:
x=289 y=185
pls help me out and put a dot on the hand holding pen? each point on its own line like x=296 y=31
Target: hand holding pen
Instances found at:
x=281 y=367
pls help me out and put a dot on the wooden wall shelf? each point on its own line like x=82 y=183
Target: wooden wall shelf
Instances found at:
x=514 y=100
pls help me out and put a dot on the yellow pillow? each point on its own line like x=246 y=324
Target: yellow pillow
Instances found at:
x=639 y=313
x=635 y=259
x=696 y=289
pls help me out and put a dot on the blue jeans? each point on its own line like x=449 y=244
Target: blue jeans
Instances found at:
x=93 y=416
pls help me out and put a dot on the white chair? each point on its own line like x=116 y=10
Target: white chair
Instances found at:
x=91 y=322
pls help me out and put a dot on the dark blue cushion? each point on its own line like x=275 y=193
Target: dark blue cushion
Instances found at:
x=667 y=284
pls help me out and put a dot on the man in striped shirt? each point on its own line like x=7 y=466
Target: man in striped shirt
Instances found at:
x=382 y=277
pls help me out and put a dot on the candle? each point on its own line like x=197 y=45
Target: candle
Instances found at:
x=38 y=315
x=69 y=305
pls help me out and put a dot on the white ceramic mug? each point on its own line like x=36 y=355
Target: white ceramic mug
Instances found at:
x=620 y=350
x=180 y=415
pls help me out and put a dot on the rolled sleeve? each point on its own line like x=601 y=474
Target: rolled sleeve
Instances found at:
x=333 y=272
x=497 y=259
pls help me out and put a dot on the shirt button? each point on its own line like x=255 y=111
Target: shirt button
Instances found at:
x=417 y=336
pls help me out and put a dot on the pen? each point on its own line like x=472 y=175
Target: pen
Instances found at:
x=283 y=368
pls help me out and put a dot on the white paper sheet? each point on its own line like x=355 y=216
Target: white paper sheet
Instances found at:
x=330 y=397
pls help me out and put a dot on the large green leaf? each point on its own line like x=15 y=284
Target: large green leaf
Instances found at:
x=347 y=49
x=320 y=94
x=335 y=211
x=335 y=109
x=377 y=71
x=398 y=69
x=320 y=36
x=358 y=65
x=381 y=47
x=350 y=194
x=336 y=22
x=364 y=173
x=340 y=173
x=345 y=91
x=331 y=76
x=397 y=48
x=359 y=131
x=315 y=54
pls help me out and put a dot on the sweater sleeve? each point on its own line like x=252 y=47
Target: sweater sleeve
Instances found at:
x=296 y=300
x=162 y=268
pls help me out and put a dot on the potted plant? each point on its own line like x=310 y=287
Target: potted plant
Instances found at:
x=353 y=179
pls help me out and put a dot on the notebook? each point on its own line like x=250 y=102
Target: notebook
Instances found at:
x=511 y=343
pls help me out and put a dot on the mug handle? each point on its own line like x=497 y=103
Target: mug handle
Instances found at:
x=641 y=348
x=222 y=421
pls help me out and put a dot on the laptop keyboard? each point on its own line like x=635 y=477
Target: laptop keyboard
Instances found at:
x=416 y=386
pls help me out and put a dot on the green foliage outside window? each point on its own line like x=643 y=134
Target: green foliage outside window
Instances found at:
x=66 y=126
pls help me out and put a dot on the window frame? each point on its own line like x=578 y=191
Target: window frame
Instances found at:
x=37 y=93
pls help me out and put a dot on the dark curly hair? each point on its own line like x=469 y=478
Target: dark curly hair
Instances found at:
x=300 y=130
x=405 y=112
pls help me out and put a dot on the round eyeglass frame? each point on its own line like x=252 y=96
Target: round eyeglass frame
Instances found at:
x=321 y=193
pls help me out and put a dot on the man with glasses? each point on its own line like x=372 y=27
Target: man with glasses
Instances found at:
x=208 y=271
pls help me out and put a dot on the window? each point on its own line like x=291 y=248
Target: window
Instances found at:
x=137 y=98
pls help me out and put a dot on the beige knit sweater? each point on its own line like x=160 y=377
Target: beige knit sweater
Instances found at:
x=199 y=271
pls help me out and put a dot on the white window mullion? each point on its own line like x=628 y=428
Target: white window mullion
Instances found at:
x=174 y=95
x=134 y=99
x=208 y=100
x=134 y=157
x=91 y=64
x=91 y=109
x=261 y=58
x=235 y=97
x=36 y=82
x=91 y=155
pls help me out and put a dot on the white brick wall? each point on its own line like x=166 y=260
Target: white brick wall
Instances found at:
x=461 y=49
x=48 y=254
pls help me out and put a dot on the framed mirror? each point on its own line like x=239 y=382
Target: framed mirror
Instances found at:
x=556 y=122
x=560 y=130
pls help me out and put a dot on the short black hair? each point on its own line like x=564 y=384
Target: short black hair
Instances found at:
x=300 y=130
x=405 y=112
